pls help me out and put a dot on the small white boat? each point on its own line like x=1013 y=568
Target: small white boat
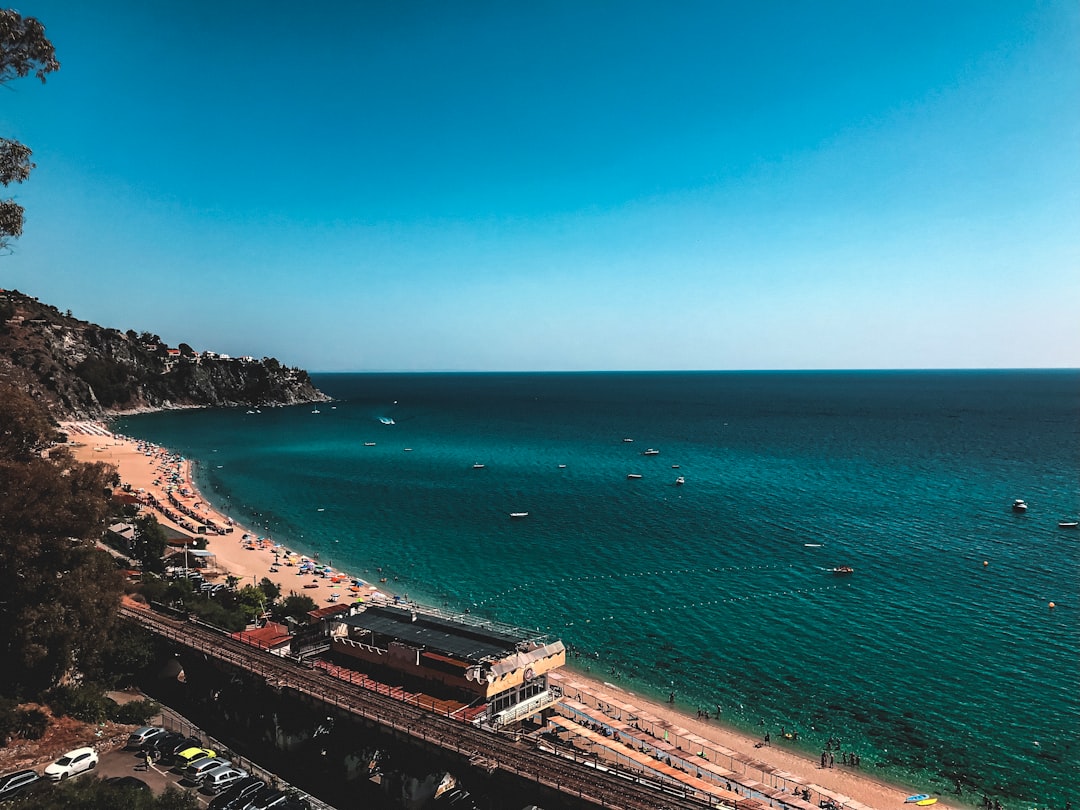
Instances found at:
x=1068 y=524
x=633 y=475
x=674 y=466
x=386 y=420
x=680 y=480
x=627 y=440
x=316 y=411
x=652 y=451
x=517 y=515
x=1019 y=505
x=562 y=466
x=369 y=444
x=478 y=466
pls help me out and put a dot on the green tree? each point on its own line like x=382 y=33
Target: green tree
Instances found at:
x=252 y=601
x=150 y=544
x=270 y=589
x=129 y=650
x=58 y=593
x=24 y=48
x=295 y=606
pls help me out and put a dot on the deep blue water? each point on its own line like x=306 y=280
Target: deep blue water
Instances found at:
x=930 y=664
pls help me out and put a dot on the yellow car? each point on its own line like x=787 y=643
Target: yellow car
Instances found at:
x=189 y=755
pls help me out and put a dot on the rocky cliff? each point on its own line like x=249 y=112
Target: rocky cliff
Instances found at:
x=85 y=371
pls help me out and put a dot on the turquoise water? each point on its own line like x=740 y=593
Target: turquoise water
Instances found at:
x=931 y=665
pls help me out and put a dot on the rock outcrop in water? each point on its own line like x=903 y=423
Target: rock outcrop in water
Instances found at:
x=84 y=371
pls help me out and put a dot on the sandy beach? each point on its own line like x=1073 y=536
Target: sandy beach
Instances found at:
x=154 y=471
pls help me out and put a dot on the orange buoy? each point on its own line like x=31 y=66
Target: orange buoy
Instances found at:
x=1053 y=605
x=986 y=562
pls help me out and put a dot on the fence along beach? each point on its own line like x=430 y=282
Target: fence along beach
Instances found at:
x=756 y=768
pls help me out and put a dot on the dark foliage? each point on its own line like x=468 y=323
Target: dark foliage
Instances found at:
x=23 y=723
x=92 y=794
x=295 y=606
x=89 y=703
x=150 y=544
x=107 y=379
x=58 y=593
x=24 y=49
x=129 y=651
x=86 y=702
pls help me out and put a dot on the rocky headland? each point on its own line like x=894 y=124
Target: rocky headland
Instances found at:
x=80 y=370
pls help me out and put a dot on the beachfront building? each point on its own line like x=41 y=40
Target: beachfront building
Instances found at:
x=479 y=663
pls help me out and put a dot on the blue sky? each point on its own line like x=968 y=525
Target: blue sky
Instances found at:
x=561 y=185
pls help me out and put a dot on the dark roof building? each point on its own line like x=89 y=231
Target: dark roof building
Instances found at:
x=454 y=656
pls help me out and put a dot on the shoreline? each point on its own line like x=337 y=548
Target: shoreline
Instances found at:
x=150 y=468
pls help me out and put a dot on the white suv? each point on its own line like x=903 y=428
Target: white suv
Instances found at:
x=71 y=763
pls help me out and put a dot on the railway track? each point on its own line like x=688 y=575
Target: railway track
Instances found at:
x=600 y=787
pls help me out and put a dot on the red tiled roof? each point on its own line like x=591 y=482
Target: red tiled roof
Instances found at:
x=269 y=636
x=329 y=610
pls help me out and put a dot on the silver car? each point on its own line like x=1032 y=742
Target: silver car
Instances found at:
x=222 y=777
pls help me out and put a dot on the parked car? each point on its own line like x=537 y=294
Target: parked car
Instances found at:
x=182 y=744
x=194 y=772
x=143 y=736
x=237 y=795
x=166 y=743
x=14 y=784
x=71 y=763
x=220 y=778
x=265 y=799
x=190 y=755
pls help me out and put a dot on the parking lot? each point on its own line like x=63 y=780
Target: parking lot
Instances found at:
x=133 y=763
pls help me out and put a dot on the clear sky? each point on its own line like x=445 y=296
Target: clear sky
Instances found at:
x=575 y=185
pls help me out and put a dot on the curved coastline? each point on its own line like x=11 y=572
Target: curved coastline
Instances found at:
x=95 y=442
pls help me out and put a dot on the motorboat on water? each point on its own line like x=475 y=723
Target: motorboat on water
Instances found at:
x=633 y=475
x=369 y=444
x=652 y=451
x=842 y=569
x=627 y=440
x=1019 y=505
x=518 y=515
x=680 y=480
x=478 y=466
x=386 y=420
x=1068 y=524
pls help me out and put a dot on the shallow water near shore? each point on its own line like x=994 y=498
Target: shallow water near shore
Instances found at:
x=930 y=665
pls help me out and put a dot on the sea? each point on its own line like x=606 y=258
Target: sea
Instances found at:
x=949 y=658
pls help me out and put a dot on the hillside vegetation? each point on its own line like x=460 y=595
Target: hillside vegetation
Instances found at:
x=80 y=370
